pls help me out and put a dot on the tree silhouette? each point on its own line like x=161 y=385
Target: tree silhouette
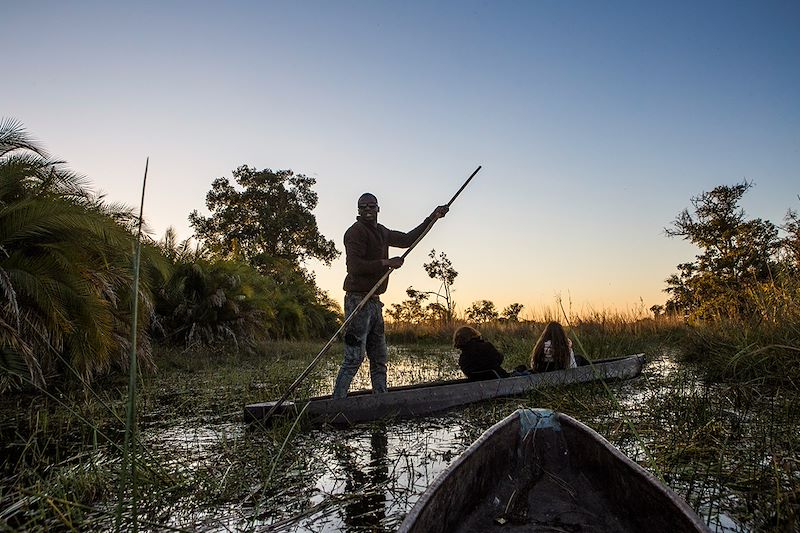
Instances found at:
x=511 y=313
x=267 y=220
x=481 y=311
x=736 y=253
x=441 y=269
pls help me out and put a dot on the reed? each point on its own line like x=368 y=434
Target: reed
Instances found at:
x=130 y=420
x=58 y=466
x=601 y=334
x=763 y=347
x=728 y=448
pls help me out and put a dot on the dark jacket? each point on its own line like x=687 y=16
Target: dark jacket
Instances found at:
x=365 y=245
x=480 y=360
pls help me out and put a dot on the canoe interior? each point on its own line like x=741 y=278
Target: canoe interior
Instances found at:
x=426 y=398
x=543 y=471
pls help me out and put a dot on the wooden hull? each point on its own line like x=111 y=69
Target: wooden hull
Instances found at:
x=538 y=470
x=423 y=399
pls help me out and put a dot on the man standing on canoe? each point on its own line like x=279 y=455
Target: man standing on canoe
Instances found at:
x=366 y=245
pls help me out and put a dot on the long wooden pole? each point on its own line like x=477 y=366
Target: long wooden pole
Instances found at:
x=363 y=301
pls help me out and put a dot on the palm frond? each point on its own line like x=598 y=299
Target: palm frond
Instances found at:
x=13 y=136
x=65 y=272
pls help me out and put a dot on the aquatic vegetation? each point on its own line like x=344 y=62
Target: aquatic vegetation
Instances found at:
x=729 y=449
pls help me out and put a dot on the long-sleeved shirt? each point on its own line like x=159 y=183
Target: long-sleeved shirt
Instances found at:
x=479 y=359
x=365 y=246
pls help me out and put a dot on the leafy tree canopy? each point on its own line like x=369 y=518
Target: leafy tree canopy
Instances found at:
x=511 y=313
x=265 y=219
x=410 y=310
x=734 y=253
x=481 y=311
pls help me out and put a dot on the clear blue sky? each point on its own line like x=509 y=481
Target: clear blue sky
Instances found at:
x=595 y=122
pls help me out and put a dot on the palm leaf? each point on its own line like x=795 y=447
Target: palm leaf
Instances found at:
x=64 y=264
x=13 y=136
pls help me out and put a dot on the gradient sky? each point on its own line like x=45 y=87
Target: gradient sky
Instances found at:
x=595 y=122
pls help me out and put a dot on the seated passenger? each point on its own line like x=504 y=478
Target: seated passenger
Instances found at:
x=479 y=359
x=553 y=350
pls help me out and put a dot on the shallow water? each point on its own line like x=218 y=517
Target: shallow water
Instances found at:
x=366 y=478
x=717 y=446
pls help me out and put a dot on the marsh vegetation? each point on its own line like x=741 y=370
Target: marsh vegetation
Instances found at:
x=230 y=320
x=728 y=447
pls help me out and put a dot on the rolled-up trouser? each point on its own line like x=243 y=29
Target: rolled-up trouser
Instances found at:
x=363 y=335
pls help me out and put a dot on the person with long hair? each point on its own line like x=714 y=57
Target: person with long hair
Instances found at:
x=479 y=359
x=553 y=350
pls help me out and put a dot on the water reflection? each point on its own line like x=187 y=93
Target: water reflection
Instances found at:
x=405 y=366
x=366 y=482
x=366 y=478
x=377 y=472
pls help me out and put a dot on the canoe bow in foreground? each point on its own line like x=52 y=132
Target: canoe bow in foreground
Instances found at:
x=426 y=398
x=538 y=470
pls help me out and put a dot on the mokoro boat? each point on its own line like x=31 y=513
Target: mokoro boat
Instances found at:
x=426 y=398
x=538 y=470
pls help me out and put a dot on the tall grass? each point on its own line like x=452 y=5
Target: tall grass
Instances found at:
x=58 y=471
x=764 y=347
x=130 y=419
x=597 y=334
x=61 y=454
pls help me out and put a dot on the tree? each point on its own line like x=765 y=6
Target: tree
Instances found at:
x=65 y=268
x=440 y=269
x=216 y=302
x=680 y=288
x=183 y=251
x=790 y=244
x=266 y=220
x=211 y=301
x=481 y=311
x=511 y=313
x=736 y=253
x=411 y=310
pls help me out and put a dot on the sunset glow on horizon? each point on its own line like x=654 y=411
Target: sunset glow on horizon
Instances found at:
x=594 y=123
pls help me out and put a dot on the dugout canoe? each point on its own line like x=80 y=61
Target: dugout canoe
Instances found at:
x=538 y=470
x=422 y=399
